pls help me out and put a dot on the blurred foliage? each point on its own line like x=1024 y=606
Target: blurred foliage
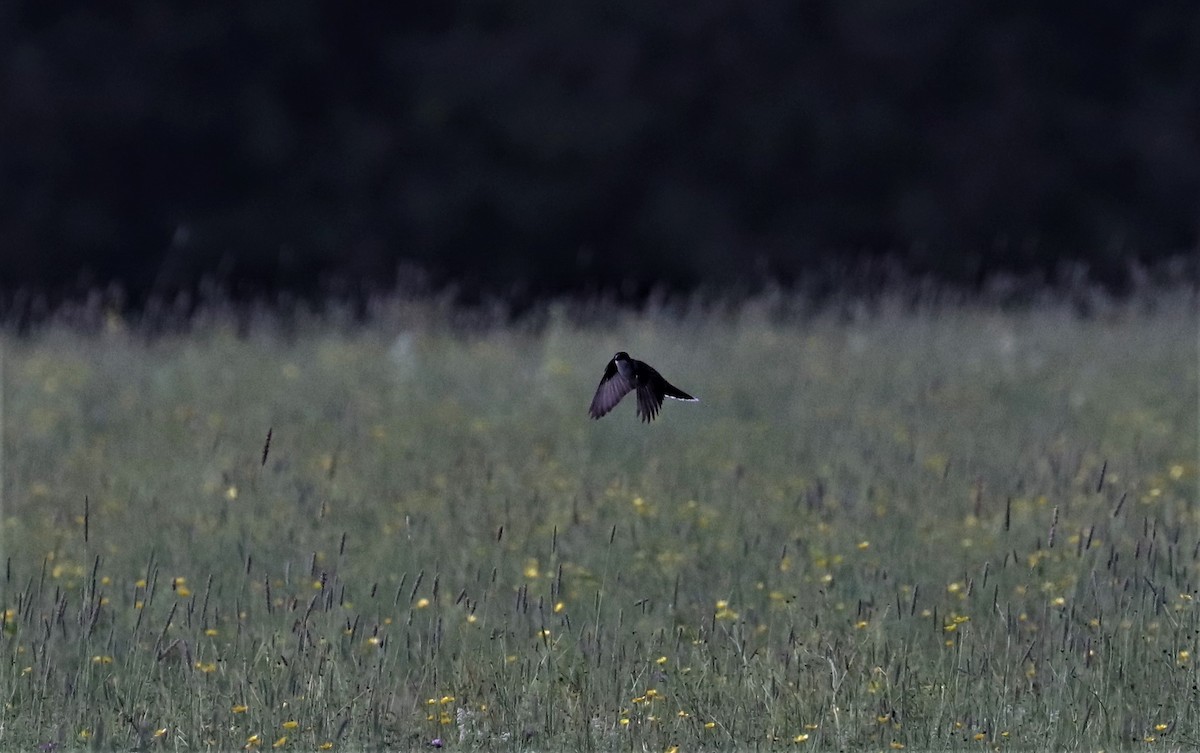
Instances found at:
x=528 y=147
x=935 y=527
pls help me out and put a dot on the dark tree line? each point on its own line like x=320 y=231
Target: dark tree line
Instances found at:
x=548 y=147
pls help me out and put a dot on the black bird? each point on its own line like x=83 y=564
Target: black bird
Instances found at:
x=624 y=374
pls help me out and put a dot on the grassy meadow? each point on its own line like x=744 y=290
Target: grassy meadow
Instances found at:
x=941 y=526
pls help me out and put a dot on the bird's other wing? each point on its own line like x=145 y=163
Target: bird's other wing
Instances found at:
x=612 y=388
x=649 y=401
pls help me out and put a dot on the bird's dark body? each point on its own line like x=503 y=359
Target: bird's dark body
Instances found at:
x=624 y=374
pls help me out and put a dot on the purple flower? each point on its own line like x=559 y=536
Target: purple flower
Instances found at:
x=436 y=742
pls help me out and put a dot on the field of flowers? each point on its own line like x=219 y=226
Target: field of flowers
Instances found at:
x=936 y=526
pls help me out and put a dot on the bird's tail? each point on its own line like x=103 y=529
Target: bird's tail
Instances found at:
x=671 y=390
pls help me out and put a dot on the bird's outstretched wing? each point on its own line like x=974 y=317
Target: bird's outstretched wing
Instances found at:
x=612 y=388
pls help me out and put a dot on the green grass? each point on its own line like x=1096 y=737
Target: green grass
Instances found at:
x=877 y=529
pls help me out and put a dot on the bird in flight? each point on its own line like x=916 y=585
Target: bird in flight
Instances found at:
x=623 y=374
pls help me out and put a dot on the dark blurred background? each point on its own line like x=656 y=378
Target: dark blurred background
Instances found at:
x=522 y=149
